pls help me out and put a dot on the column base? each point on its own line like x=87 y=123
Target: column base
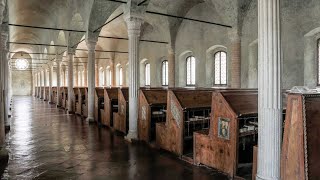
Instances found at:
x=50 y=102
x=266 y=178
x=58 y=106
x=4 y=158
x=90 y=120
x=70 y=112
x=131 y=136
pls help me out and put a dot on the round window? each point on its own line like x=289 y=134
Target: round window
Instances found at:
x=22 y=64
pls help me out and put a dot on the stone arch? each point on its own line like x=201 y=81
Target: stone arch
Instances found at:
x=210 y=63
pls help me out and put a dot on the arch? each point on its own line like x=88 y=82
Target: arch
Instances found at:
x=210 y=52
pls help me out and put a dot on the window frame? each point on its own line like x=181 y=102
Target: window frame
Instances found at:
x=146 y=74
x=120 y=82
x=191 y=57
x=165 y=64
x=214 y=64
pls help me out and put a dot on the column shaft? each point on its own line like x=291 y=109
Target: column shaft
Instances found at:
x=70 y=84
x=44 y=84
x=58 y=82
x=91 y=80
x=134 y=25
x=97 y=75
x=41 y=85
x=76 y=80
x=270 y=95
x=50 y=83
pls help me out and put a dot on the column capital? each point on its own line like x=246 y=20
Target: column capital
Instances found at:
x=170 y=49
x=134 y=25
x=4 y=40
x=72 y=51
x=59 y=57
x=91 y=44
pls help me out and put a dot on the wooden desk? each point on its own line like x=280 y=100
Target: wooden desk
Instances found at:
x=152 y=106
x=110 y=105
x=83 y=101
x=121 y=120
x=99 y=105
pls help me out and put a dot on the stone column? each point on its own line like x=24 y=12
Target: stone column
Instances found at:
x=58 y=59
x=171 y=66
x=41 y=84
x=91 y=44
x=50 y=83
x=38 y=84
x=85 y=75
x=97 y=75
x=70 y=81
x=235 y=60
x=134 y=29
x=270 y=95
x=44 y=84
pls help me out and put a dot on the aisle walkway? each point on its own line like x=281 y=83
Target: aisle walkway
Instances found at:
x=46 y=143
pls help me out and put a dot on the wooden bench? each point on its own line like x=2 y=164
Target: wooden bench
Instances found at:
x=76 y=95
x=121 y=120
x=54 y=95
x=83 y=102
x=152 y=110
x=99 y=105
x=64 y=97
x=187 y=111
x=110 y=105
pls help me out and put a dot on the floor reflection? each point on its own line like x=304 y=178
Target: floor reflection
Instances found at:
x=45 y=143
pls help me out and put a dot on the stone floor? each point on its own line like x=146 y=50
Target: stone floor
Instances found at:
x=46 y=143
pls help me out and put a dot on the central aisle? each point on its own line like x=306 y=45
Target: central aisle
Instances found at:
x=46 y=143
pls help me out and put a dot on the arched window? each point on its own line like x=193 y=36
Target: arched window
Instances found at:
x=101 y=77
x=120 y=77
x=165 y=78
x=147 y=74
x=191 y=71
x=220 y=67
x=110 y=77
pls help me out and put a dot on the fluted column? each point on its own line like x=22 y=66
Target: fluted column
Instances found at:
x=58 y=59
x=171 y=67
x=44 y=84
x=70 y=81
x=85 y=75
x=269 y=85
x=50 y=83
x=235 y=60
x=41 y=84
x=91 y=78
x=133 y=25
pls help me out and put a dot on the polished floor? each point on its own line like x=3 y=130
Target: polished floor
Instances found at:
x=47 y=143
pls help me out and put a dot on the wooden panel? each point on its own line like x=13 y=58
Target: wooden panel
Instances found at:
x=121 y=117
x=212 y=150
x=109 y=95
x=255 y=162
x=99 y=93
x=312 y=105
x=171 y=137
x=144 y=118
x=292 y=156
x=188 y=98
x=148 y=97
